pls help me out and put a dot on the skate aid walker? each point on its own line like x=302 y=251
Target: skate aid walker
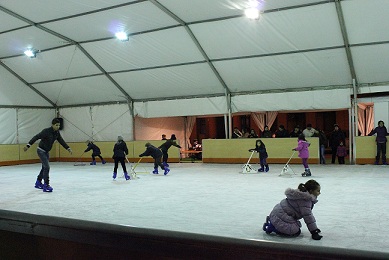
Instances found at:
x=286 y=171
x=247 y=168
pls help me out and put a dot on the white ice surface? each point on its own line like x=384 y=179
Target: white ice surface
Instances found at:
x=213 y=199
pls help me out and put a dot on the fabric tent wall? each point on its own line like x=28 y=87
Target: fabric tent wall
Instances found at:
x=181 y=107
x=153 y=128
x=20 y=125
x=304 y=100
x=98 y=123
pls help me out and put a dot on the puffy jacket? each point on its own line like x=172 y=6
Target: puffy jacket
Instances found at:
x=302 y=148
x=298 y=205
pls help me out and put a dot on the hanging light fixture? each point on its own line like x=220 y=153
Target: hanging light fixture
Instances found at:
x=30 y=53
x=122 y=36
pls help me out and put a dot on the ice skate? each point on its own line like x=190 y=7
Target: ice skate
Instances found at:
x=307 y=173
x=93 y=163
x=38 y=184
x=114 y=175
x=47 y=188
x=103 y=162
x=155 y=171
x=167 y=170
x=126 y=176
x=267 y=168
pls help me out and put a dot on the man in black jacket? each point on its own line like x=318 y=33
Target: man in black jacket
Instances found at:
x=47 y=136
x=165 y=147
x=157 y=155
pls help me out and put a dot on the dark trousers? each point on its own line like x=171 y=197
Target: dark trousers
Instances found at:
x=157 y=162
x=98 y=155
x=381 y=148
x=341 y=159
x=334 y=150
x=44 y=173
x=122 y=162
x=165 y=156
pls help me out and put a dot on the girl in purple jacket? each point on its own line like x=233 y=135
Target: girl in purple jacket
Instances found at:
x=285 y=216
x=302 y=148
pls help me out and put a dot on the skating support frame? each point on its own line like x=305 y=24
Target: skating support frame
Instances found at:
x=287 y=169
x=247 y=168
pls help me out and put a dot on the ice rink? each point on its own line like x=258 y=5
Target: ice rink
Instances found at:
x=213 y=199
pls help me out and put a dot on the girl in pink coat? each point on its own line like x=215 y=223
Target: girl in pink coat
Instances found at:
x=285 y=217
x=302 y=148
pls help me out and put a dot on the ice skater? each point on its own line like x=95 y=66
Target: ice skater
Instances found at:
x=157 y=155
x=165 y=147
x=261 y=149
x=120 y=151
x=381 y=140
x=47 y=138
x=298 y=204
x=95 y=152
x=302 y=148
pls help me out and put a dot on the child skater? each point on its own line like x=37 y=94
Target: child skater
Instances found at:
x=157 y=155
x=95 y=152
x=302 y=148
x=341 y=153
x=261 y=149
x=120 y=151
x=285 y=216
x=165 y=147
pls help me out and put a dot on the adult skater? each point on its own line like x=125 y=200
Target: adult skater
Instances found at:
x=285 y=216
x=120 y=151
x=336 y=137
x=95 y=152
x=302 y=148
x=157 y=155
x=381 y=132
x=47 y=138
x=165 y=147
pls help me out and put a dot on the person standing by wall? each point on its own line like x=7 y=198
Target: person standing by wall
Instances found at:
x=341 y=153
x=47 y=136
x=381 y=140
x=337 y=136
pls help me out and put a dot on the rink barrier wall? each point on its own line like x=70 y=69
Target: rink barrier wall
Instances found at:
x=214 y=151
x=30 y=236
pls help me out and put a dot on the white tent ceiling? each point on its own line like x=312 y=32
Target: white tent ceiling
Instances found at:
x=181 y=49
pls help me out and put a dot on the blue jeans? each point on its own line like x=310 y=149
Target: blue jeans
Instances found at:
x=322 y=154
x=44 y=173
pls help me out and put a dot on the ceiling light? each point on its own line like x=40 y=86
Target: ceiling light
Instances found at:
x=30 y=53
x=252 y=13
x=122 y=36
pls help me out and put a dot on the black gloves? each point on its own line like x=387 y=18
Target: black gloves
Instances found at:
x=315 y=234
x=140 y=155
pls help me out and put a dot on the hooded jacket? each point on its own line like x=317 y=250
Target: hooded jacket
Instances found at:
x=302 y=148
x=381 y=132
x=298 y=205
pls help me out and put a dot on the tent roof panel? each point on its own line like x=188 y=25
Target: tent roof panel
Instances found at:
x=190 y=80
x=284 y=71
x=130 y=19
x=39 y=11
x=89 y=90
x=46 y=66
x=365 y=21
x=16 y=93
x=159 y=48
x=273 y=33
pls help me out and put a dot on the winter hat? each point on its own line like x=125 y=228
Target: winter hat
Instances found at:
x=120 y=138
x=173 y=137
